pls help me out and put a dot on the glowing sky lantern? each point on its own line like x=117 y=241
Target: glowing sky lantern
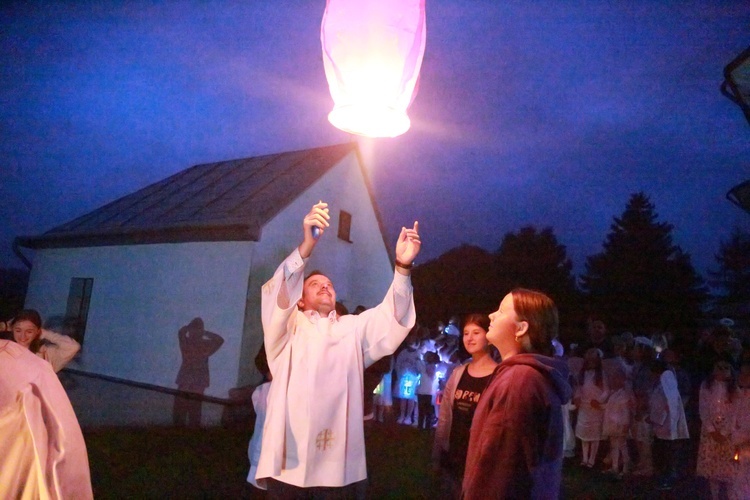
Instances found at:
x=372 y=52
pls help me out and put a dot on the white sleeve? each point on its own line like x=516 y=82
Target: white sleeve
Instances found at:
x=279 y=297
x=385 y=326
x=62 y=350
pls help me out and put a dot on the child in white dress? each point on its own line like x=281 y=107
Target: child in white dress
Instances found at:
x=383 y=397
x=260 y=404
x=591 y=394
x=407 y=376
x=618 y=416
x=716 y=408
x=426 y=389
x=569 y=437
x=740 y=485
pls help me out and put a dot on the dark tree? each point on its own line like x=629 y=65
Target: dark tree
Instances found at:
x=732 y=278
x=642 y=281
x=469 y=279
x=456 y=283
x=535 y=259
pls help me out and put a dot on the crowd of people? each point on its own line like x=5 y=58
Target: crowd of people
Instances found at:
x=642 y=396
x=634 y=401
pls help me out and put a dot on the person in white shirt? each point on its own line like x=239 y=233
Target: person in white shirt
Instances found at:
x=426 y=389
x=58 y=350
x=313 y=436
x=42 y=451
x=260 y=403
x=618 y=417
x=591 y=394
x=407 y=379
x=667 y=417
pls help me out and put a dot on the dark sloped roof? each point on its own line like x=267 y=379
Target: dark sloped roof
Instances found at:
x=736 y=85
x=740 y=195
x=224 y=201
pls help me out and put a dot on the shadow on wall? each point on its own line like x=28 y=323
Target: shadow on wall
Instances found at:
x=196 y=346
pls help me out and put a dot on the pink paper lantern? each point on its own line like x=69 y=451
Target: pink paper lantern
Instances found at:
x=372 y=52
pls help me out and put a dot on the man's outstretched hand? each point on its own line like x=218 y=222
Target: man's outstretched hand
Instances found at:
x=408 y=245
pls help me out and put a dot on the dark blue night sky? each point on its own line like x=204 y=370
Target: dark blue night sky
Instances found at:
x=529 y=112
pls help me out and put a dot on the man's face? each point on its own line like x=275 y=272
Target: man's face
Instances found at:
x=318 y=295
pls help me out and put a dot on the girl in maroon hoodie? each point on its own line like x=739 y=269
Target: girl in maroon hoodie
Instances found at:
x=515 y=446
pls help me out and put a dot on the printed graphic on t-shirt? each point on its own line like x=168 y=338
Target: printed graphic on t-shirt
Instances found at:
x=466 y=399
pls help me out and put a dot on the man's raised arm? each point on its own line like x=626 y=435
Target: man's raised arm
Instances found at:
x=407 y=249
x=385 y=326
x=280 y=294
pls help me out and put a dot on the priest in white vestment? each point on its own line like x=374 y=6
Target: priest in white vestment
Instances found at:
x=313 y=435
x=42 y=452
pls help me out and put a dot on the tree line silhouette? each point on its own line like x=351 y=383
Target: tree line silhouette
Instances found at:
x=640 y=282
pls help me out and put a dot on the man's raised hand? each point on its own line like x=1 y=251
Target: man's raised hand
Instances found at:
x=318 y=218
x=408 y=244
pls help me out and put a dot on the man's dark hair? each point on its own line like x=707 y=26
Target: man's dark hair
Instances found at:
x=315 y=272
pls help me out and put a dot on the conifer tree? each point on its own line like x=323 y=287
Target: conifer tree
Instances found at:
x=732 y=277
x=535 y=259
x=642 y=281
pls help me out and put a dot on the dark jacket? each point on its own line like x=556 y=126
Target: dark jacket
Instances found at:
x=515 y=447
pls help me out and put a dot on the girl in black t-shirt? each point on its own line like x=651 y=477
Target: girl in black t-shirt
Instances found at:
x=460 y=398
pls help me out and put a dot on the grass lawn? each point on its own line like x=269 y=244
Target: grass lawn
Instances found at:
x=212 y=463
